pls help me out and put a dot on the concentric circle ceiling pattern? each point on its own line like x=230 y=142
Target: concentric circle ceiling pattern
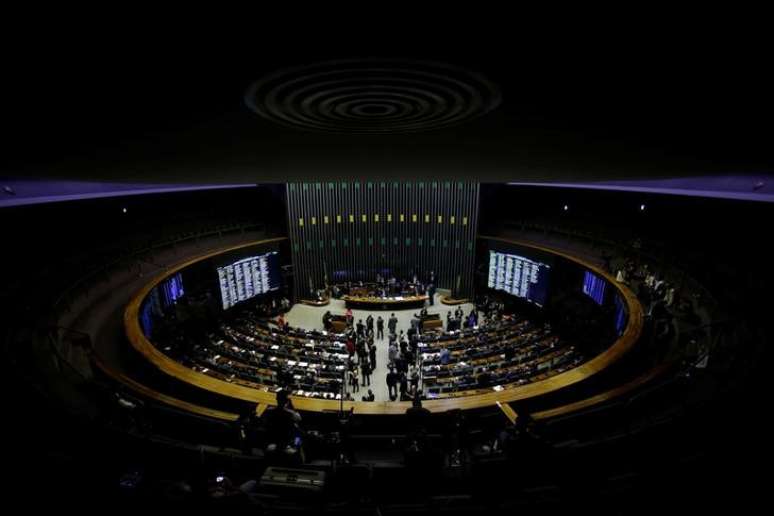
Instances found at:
x=372 y=96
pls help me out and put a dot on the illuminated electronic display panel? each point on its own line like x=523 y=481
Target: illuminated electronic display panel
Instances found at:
x=249 y=277
x=160 y=298
x=620 y=314
x=594 y=287
x=519 y=276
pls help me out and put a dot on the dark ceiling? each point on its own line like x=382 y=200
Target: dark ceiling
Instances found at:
x=135 y=112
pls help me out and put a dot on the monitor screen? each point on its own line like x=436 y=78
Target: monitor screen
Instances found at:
x=159 y=299
x=519 y=276
x=620 y=314
x=594 y=287
x=249 y=277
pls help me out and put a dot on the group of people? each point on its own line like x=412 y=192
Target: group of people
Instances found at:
x=361 y=347
x=403 y=377
x=388 y=287
x=404 y=374
x=460 y=320
x=403 y=383
x=653 y=289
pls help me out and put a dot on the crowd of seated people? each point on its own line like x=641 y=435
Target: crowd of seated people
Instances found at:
x=268 y=353
x=264 y=353
x=387 y=287
x=506 y=350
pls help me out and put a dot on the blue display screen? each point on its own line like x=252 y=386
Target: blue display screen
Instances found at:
x=620 y=314
x=594 y=287
x=160 y=298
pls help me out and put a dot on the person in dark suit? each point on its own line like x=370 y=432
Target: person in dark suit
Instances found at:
x=380 y=328
x=327 y=320
x=418 y=417
x=392 y=384
x=246 y=425
x=372 y=355
x=365 y=370
x=283 y=422
x=392 y=324
x=370 y=322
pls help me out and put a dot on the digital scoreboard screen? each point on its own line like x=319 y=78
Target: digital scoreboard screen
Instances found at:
x=620 y=314
x=594 y=287
x=248 y=278
x=519 y=276
x=159 y=299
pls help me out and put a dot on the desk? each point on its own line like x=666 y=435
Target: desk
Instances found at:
x=385 y=303
x=431 y=321
x=315 y=302
x=338 y=323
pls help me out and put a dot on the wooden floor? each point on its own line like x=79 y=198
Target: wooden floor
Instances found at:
x=557 y=382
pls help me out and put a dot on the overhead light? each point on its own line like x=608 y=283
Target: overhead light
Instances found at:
x=566 y=207
x=123 y=210
x=642 y=207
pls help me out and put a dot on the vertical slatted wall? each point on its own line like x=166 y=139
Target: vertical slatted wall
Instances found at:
x=353 y=230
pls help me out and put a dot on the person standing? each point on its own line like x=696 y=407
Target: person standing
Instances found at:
x=403 y=384
x=380 y=328
x=360 y=348
x=365 y=371
x=669 y=297
x=354 y=381
x=370 y=322
x=392 y=384
x=392 y=324
x=392 y=353
x=414 y=379
x=403 y=343
x=372 y=355
x=327 y=320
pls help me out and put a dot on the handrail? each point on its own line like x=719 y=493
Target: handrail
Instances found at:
x=111 y=264
x=165 y=399
x=173 y=368
x=550 y=228
x=65 y=293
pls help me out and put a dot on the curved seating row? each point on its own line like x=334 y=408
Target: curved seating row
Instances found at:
x=254 y=352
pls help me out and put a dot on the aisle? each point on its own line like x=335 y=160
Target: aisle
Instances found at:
x=310 y=317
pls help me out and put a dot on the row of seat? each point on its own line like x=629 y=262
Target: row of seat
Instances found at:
x=254 y=352
x=502 y=353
